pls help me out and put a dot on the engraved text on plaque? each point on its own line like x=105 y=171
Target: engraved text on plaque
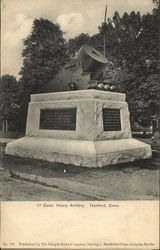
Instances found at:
x=111 y=119
x=58 y=119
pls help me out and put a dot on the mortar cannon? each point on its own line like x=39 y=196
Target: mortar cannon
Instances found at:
x=84 y=71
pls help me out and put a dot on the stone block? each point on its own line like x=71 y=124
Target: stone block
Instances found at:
x=96 y=134
x=80 y=153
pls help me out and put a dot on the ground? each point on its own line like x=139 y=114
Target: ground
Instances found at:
x=133 y=181
x=17 y=190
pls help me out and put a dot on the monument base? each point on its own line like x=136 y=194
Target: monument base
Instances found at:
x=80 y=152
x=85 y=128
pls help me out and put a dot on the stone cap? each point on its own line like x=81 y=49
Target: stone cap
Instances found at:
x=80 y=95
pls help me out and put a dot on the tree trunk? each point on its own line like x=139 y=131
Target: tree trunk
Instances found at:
x=3 y=126
x=6 y=125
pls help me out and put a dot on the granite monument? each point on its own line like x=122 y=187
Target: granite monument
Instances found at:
x=85 y=127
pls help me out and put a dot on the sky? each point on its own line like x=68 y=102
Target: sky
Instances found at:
x=74 y=17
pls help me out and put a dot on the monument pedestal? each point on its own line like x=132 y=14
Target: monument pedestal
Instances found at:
x=85 y=128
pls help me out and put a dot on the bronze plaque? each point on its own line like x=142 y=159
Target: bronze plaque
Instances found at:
x=58 y=119
x=111 y=119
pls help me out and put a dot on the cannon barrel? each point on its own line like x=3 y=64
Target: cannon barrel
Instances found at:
x=92 y=61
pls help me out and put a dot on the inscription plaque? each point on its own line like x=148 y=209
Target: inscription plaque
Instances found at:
x=58 y=119
x=111 y=119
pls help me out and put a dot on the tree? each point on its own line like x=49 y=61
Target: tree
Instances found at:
x=132 y=41
x=76 y=42
x=157 y=2
x=45 y=52
x=95 y=41
x=144 y=92
x=8 y=102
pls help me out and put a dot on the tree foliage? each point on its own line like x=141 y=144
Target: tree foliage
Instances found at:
x=45 y=52
x=132 y=44
x=8 y=101
x=77 y=42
